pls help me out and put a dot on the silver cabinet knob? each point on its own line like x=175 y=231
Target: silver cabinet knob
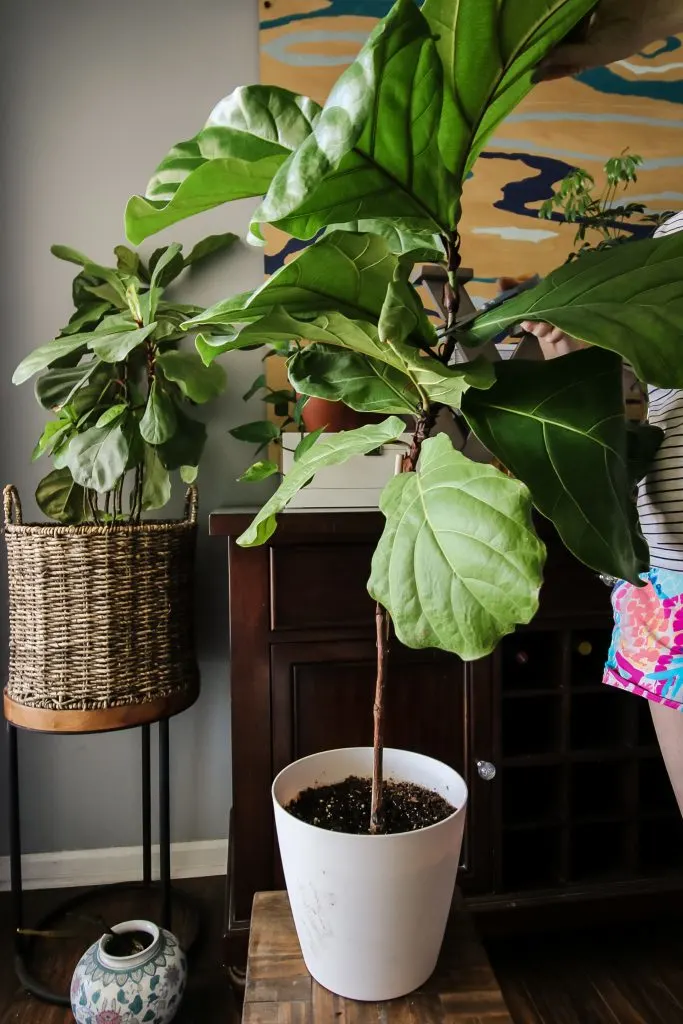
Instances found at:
x=487 y=771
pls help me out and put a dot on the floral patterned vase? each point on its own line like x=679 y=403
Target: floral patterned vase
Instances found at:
x=145 y=988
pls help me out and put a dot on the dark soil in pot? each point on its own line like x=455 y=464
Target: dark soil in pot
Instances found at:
x=345 y=806
x=127 y=943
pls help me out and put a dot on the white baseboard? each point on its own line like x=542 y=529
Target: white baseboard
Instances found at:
x=118 y=864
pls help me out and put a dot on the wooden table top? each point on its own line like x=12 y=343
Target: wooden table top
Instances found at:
x=279 y=990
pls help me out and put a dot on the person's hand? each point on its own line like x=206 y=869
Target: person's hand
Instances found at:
x=552 y=340
x=619 y=28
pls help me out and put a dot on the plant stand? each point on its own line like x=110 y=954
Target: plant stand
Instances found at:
x=80 y=723
x=463 y=988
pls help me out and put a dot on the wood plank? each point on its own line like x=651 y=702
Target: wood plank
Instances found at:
x=279 y=990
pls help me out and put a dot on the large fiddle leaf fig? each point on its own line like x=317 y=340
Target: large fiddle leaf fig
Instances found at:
x=328 y=451
x=341 y=272
x=488 y=49
x=374 y=152
x=248 y=136
x=559 y=426
x=459 y=564
x=628 y=299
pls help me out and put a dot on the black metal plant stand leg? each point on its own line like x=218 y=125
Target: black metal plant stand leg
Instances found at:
x=28 y=982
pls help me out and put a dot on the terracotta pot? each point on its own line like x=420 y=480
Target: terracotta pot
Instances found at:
x=334 y=416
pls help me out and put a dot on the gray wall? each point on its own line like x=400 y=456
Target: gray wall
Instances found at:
x=93 y=94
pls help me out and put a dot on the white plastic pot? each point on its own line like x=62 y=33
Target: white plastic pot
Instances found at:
x=370 y=911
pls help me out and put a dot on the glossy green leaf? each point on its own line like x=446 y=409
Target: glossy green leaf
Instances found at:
x=127 y=261
x=421 y=246
x=431 y=381
x=159 y=421
x=65 y=252
x=210 y=347
x=48 y=354
x=59 y=497
x=329 y=451
x=55 y=388
x=211 y=246
x=85 y=317
x=258 y=471
x=188 y=474
x=258 y=432
x=114 y=412
x=248 y=136
x=53 y=432
x=165 y=264
x=488 y=49
x=307 y=442
x=628 y=299
x=362 y=383
x=186 y=446
x=374 y=152
x=257 y=386
x=559 y=426
x=110 y=277
x=458 y=565
x=156 y=483
x=197 y=382
x=97 y=458
x=114 y=348
x=340 y=273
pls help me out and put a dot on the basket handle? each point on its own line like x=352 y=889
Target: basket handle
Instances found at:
x=12 y=505
x=191 y=505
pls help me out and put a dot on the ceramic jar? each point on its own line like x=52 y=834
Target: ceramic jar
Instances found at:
x=145 y=988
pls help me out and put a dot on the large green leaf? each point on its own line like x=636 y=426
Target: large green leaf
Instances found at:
x=248 y=136
x=114 y=348
x=48 y=354
x=329 y=451
x=488 y=49
x=159 y=420
x=156 y=483
x=421 y=246
x=56 y=388
x=59 y=497
x=374 y=152
x=431 y=381
x=341 y=272
x=364 y=384
x=85 y=317
x=559 y=426
x=197 y=382
x=459 y=564
x=186 y=446
x=259 y=432
x=98 y=457
x=628 y=299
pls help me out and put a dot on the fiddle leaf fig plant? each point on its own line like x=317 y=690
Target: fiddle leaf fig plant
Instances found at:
x=375 y=180
x=120 y=388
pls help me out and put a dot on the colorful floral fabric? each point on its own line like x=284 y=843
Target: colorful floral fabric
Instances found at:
x=646 y=653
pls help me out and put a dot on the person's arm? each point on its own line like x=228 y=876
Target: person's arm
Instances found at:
x=552 y=340
x=618 y=29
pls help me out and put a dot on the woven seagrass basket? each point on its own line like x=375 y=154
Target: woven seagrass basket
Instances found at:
x=100 y=616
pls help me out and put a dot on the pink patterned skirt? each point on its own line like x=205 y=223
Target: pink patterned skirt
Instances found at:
x=646 y=653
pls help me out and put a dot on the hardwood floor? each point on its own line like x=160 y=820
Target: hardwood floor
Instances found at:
x=630 y=974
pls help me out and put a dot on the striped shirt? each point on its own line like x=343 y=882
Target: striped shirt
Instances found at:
x=660 y=496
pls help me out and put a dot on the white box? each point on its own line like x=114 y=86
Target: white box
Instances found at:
x=357 y=483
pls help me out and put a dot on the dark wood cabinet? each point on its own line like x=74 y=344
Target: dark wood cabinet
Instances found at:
x=580 y=806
